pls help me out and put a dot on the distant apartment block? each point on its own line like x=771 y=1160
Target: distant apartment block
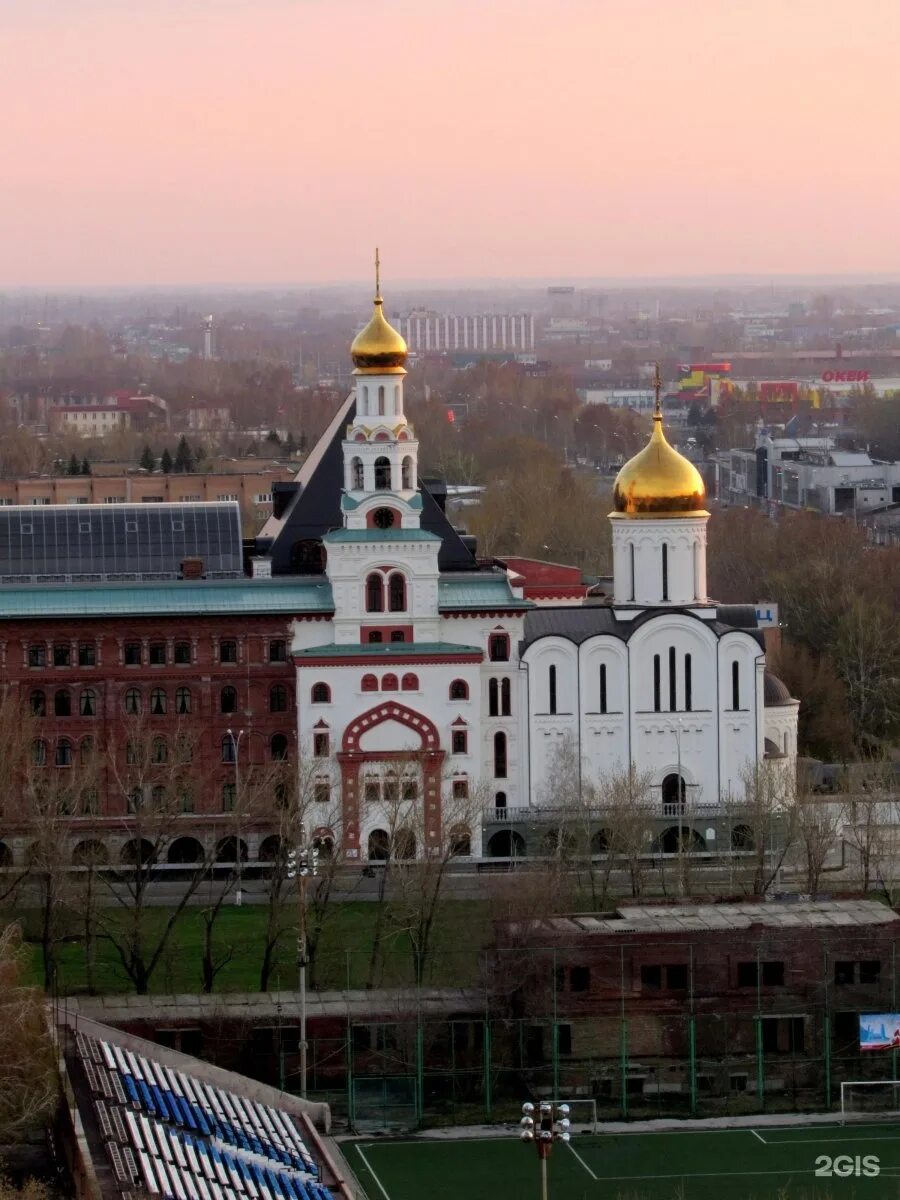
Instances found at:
x=253 y=490
x=426 y=332
x=91 y=416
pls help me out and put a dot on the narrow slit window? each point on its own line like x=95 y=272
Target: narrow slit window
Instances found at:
x=603 y=687
x=673 y=681
x=665 y=571
x=631 y=549
x=688 y=683
x=735 y=685
x=656 y=683
x=551 y=683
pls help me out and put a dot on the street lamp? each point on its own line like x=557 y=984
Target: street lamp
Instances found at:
x=681 y=799
x=236 y=743
x=302 y=862
x=551 y=1125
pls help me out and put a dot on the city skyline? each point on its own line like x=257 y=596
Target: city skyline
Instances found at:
x=223 y=142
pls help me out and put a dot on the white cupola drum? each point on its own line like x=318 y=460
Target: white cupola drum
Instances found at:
x=380 y=449
x=659 y=525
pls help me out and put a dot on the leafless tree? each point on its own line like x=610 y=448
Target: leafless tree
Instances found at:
x=30 y=1085
x=762 y=816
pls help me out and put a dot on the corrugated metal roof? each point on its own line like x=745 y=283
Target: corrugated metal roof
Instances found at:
x=188 y=597
x=380 y=535
x=486 y=591
x=654 y=918
x=385 y=650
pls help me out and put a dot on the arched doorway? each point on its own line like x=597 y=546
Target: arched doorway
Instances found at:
x=270 y=848
x=379 y=846
x=506 y=843
x=137 y=852
x=558 y=843
x=674 y=794
x=185 y=850
x=742 y=838
x=90 y=853
x=684 y=840
x=228 y=848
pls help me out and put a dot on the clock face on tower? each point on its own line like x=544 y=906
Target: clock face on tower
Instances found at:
x=383 y=518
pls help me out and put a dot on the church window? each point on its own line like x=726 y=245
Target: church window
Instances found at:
x=500 y=801
x=498 y=647
x=656 y=683
x=688 y=698
x=369 y=683
x=397 y=592
x=320 y=694
x=381 y=400
x=406 y=472
x=365 y=400
x=735 y=685
x=356 y=474
x=460 y=741
x=389 y=683
x=494 y=698
x=673 y=681
x=383 y=518
x=459 y=689
x=374 y=593
x=505 y=700
x=321 y=744
x=382 y=473
x=460 y=789
x=665 y=571
x=398 y=635
x=499 y=755
x=631 y=550
x=375 y=637
x=603 y=687
x=551 y=685
x=409 y=683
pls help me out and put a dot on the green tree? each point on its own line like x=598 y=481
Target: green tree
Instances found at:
x=165 y=462
x=73 y=468
x=85 y=467
x=184 y=456
x=148 y=459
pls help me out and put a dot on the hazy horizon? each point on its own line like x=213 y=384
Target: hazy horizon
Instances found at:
x=273 y=143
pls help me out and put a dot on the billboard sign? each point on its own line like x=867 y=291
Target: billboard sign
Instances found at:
x=846 y=376
x=879 y=1031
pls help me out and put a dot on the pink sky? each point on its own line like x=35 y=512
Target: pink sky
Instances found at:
x=198 y=141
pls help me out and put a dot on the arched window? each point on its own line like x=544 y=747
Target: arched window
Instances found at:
x=389 y=683
x=87 y=702
x=397 y=592
x=182 y=700
x=460 y=840
x=381 y=411
x=498 y=647
x=551 y=688
x=500 y=801
x=631 y=563
x=369 y=683
x=688 y=684
x=320 y=694
x=673 y=681
x=160 y=750
x=459 y=690
x=665 y=571
x=505 y=697
x=603 y=687
x=499 y=755
x=382 y=473
x=278 y=747
x=86 y=750
x=229 y=749
x=38 y=704
x=656 y=683
x=397 y=399
x=735 y=685
x=158 y=702
x=406 y=472
x=674 y=793
x=374 y=593
x=494 y=697
x=158 y=798
x=62 y=703
x=64 y=753
x=379 y=846
x=409 y=682
x=278 y=698
x=228 y=700
x=39 y=753
x=229 y=795
x=357 y=478
x=375 y=637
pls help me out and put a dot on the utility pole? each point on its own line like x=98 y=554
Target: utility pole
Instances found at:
x=302 y=861
x=236 y=741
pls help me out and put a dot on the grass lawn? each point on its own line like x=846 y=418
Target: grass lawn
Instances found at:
x=741 y=1164
x=342 y=961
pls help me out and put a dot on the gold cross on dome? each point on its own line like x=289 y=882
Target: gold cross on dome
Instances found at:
x=657 y=387
x=377 y=275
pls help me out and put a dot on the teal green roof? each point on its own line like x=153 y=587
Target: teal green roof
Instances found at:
x=385 y=650
x=380 y=535
x=226 y=596
x=481 y=591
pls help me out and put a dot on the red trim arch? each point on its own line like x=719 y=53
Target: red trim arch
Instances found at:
x=391 y=711
x=351 y=758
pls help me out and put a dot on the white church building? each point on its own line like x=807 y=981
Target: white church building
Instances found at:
x=425 y=677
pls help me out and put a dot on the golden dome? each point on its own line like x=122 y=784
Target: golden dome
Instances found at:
x=378 y=349
x=658 y=482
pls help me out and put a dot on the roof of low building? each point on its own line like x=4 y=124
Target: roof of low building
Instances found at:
x=386 y=650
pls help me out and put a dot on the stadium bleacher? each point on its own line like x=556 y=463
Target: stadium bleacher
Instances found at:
x=176 y=1137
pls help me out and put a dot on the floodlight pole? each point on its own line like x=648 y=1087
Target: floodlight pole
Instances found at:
x=302 y=861
x=552 y=1125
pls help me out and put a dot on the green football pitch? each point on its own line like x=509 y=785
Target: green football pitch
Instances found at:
x=802 y=1162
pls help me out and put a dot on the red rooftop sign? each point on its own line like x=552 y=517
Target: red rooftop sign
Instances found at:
x=845 y=376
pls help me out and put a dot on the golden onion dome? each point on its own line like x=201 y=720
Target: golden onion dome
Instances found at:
x=378 y=349
x=658 y=482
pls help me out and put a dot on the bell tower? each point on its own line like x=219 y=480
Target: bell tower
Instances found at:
x=380 y=448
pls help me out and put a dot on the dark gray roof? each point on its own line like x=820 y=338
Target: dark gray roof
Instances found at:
x=97 y=543
x=774 y=691
x=579 y=624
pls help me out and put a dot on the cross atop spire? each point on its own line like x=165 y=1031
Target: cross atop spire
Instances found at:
x=657 y=387
x=377 y=276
